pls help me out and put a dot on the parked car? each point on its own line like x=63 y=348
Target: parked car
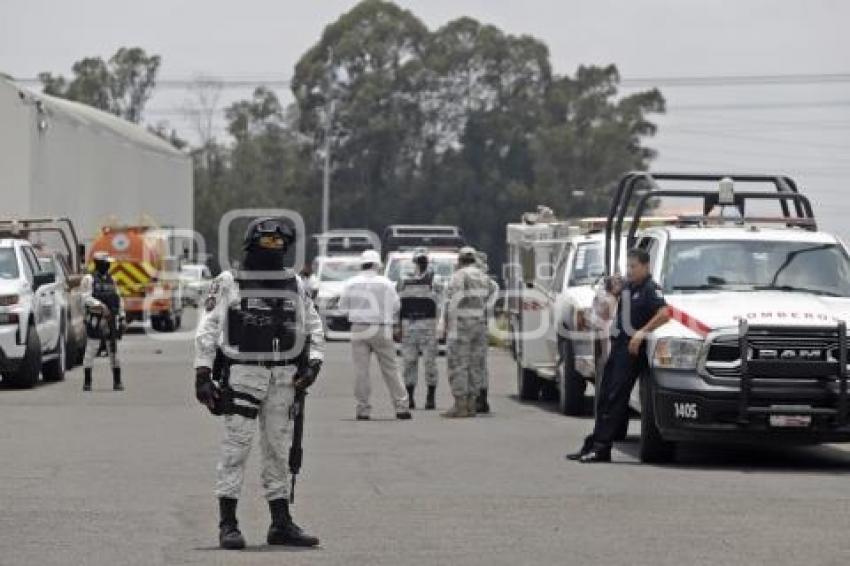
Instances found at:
x=32 y=330
x=195 y=280
x=331 y=274
x=71 y=303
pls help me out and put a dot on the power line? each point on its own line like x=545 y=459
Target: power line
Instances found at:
x=279 y=81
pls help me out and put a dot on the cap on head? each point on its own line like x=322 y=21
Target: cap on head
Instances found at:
x=370 y=257
x=264 y=232
x=420 y=253
x=467 y=254
x=100 y=256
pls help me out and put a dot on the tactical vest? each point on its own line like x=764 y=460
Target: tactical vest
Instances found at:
x=417 y=297
x=266 y=325
x=105 y=291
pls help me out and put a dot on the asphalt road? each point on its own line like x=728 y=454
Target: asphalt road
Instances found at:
x=126 y=478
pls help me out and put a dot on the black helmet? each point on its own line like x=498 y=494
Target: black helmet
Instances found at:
x=267 y=226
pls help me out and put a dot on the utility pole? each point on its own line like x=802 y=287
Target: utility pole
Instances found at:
x=328 y=127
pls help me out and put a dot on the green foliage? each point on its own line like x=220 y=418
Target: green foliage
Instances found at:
x=266 y=167
x=464 y=125
x=122 y=86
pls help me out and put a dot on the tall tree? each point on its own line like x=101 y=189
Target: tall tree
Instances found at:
x=122 y=86
x=368 y=68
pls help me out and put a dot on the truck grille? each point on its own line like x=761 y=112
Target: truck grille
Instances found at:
x=807 y=354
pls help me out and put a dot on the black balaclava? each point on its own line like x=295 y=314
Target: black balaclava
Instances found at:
x=263 y=259
x=101 y=266
x=422 y=262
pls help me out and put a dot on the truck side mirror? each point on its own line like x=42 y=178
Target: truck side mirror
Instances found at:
x=81 y=254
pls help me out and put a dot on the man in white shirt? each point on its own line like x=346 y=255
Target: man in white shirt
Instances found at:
x=372 y=305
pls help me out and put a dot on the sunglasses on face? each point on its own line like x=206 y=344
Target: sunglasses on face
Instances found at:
x=272 y=242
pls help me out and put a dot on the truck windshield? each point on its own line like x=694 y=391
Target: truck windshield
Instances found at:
x=8 y=264
x=588 y=266
x=823 y=269
x=339 y=270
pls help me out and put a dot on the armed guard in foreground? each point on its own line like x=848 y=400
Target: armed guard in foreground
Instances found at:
x=468 y=295
x=419 y=328
x=271 y=342
x=104 y=319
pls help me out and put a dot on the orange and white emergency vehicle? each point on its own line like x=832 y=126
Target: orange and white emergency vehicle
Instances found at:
x=145 y=271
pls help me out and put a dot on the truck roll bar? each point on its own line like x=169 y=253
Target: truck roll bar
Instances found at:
x=786 y=189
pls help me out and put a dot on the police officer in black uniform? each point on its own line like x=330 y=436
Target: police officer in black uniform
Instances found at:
x=265 y=324
x=639 y=312
x=104 y=318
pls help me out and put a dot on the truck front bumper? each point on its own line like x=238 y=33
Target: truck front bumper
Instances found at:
x=690 y=408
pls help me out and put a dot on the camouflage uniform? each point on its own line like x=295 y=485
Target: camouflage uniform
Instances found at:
x=468 y=294
x=419 y=328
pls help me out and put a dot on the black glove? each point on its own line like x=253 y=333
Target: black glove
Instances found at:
x=308 y=375
x=206 y=392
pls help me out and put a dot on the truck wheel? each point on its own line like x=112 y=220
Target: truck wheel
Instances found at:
x=70 y=353
x=571 y=384
x=528 y=384
x=168 y=323
x=26 y=376
x=549 y=390
x=54 y=370
x=513 y=345
x=653 y=448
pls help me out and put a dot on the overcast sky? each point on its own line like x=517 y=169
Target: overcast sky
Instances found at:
x=799 y=129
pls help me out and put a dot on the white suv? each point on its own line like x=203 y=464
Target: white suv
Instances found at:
x=32 y=336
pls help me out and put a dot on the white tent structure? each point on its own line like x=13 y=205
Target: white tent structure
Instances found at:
x=62 y=158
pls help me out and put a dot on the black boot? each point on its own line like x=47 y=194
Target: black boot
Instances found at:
x=283 y=530
x=481 y=404
x=87 y=379
x=431 y=401
x=116 y=380
x=411 y=402
x=229 y=536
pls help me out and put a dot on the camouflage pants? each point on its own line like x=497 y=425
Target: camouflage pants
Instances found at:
x=467 y=354
x=274 y=393
x=419 y=337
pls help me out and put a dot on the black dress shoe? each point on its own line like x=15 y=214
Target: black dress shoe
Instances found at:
x=596 y=456
x=403 y=416
x=586 y=447
x=576 y=456
x=363 y=417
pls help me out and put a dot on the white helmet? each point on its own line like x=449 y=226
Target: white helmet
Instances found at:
x=370 y=257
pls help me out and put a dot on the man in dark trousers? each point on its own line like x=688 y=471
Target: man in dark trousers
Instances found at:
x=641 y=310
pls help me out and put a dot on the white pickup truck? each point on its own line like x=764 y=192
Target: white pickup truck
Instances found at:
x=32 y=333
x=756 y=350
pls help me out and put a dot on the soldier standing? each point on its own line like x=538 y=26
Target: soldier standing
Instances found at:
x=419 y=328
x=468 y=295
x=104 y=318
x=271 y=336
